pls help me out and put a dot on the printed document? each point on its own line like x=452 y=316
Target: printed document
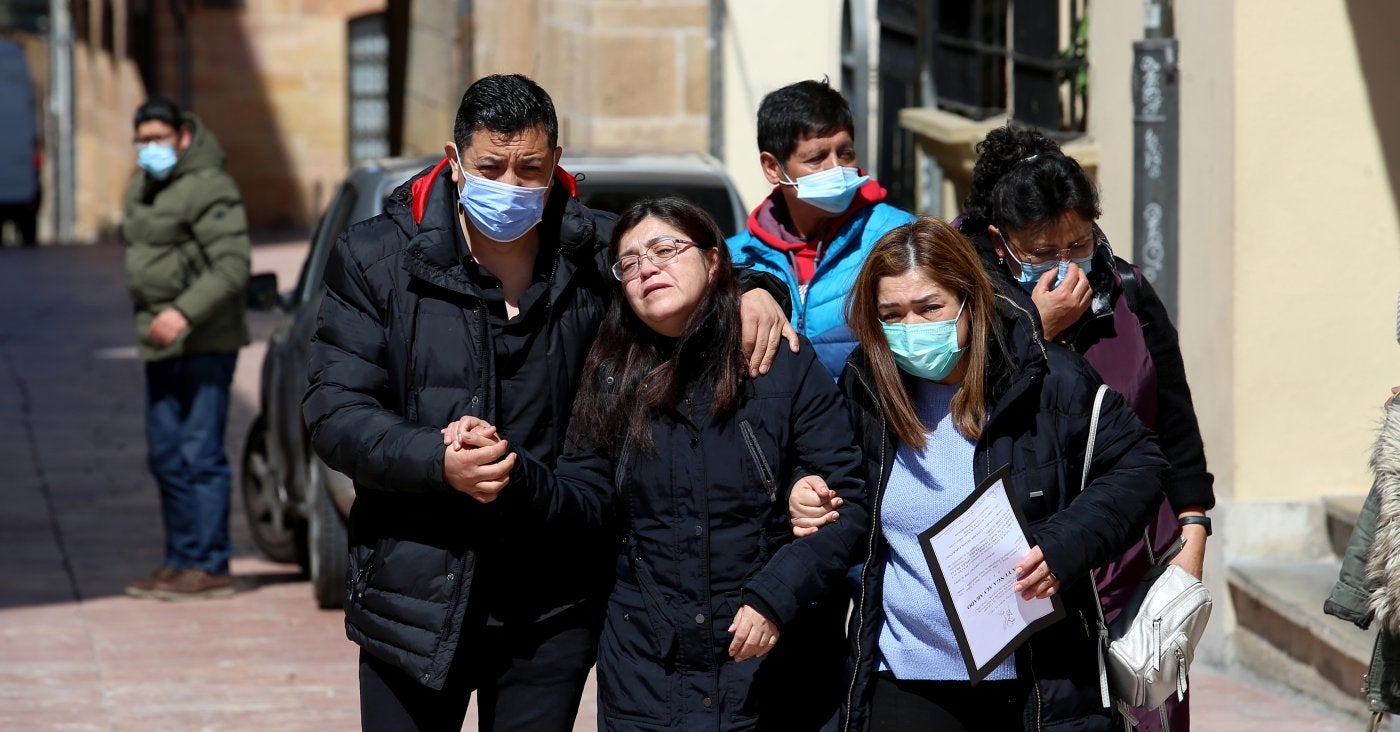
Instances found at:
x=972 y=553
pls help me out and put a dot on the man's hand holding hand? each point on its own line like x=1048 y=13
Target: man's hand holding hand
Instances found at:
x=478 y=461
x=763 y=324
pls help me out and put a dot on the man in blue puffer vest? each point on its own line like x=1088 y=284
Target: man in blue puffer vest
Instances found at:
x=824 y=214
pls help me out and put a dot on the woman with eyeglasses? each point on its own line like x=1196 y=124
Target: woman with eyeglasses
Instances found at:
x=719 y=618
x=1031 y=213
x=950 y=383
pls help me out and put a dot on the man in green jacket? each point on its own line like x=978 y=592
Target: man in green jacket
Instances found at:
x=187 y=254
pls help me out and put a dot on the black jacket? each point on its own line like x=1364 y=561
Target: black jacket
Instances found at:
x=402 y=348
x=1040 y=400
x=703 y=528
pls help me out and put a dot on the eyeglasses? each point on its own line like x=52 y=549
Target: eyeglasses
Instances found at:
x=1077 y=249
x=659 y=251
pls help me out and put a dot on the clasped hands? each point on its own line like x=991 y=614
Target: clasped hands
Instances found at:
x=477 y=461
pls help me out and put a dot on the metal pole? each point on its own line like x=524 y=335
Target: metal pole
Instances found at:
x=716 y=48
x=1156 y=153
x=61 y=143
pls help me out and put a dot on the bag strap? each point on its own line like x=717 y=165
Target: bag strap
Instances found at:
x=1093 y=583
x=1131 y=289
x=1093 y=431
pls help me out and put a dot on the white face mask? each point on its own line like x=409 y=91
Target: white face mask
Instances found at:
x=830 y=190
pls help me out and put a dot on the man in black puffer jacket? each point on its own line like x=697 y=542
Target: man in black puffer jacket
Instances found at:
x=477 y=292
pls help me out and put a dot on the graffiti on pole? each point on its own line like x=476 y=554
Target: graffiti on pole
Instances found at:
x=1155 y=170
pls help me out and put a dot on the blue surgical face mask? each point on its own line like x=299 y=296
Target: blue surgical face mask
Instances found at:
x=157 y=160
x=500 y=211
x=1029 y=274
x=926 y=350
x=830 y=190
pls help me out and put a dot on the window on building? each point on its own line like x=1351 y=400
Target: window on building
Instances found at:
x=1025 y=57
x=899 y=87
x=368 y=88
x=855 y=74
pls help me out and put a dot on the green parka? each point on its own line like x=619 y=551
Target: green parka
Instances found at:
x=1368 y=588
x=187 y=247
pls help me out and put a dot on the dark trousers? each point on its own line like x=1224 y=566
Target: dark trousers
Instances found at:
x=530 y=680
x=187 y=401
x=947 y=706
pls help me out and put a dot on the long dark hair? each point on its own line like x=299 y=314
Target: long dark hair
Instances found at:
x=1023 y=180
x=945 y=256
x=632 y=370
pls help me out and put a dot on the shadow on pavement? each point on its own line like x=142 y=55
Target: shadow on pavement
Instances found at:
x=82 y=513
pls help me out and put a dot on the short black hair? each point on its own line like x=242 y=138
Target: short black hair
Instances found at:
x=796 y=111
x=160 y=109
x=505 y=104
x=1023 y=179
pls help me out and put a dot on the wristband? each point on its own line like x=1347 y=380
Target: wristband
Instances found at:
x=1199 y=520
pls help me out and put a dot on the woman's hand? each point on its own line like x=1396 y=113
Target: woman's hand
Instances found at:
x=469 y=432
x=1034 y=580
x=1061 y=307
x=754 y=635
x=812 y=505
x=762 y=325
x=479 y=461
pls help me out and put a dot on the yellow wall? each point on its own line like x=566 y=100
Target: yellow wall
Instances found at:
x=1290 y=149
x=1205 y=316
x=1316 y=245
x=762 y=52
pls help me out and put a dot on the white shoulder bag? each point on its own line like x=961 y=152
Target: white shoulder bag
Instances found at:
x=1146 y=653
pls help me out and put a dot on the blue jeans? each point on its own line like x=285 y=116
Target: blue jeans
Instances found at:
x=187 y=401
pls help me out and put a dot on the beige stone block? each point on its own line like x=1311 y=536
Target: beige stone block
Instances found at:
x=631 y=14
x=569 y=13
x=696 y=73
x=505 y=35
x=637 y=77
x=347 y=9
x=621 y=134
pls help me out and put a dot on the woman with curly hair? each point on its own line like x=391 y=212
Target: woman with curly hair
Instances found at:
x=1031 y=213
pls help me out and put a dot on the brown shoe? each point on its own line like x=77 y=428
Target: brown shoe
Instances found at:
x=145 y=587
x=193 y=584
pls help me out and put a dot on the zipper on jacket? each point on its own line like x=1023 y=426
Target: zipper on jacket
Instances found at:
x=869 y=550
x=751 y=440
x=1035 y=334
x=357 y=588
x=1035 y=687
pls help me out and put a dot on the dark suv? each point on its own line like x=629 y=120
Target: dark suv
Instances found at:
x=296 y=506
